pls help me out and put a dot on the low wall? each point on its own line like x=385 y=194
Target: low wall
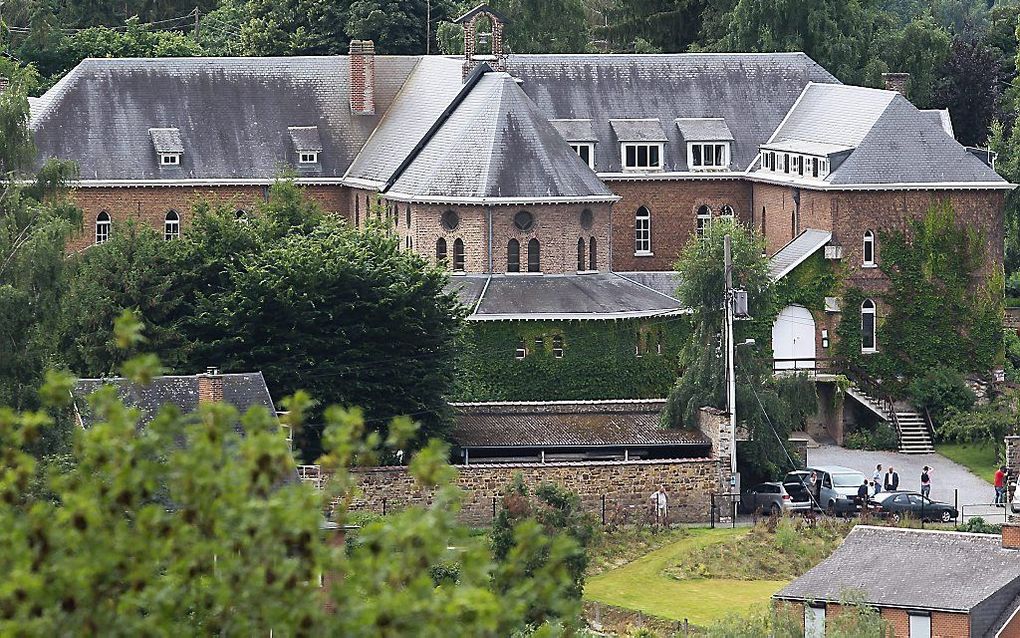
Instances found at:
x=619 y=491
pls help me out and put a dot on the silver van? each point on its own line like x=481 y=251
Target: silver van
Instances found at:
x=835 y=489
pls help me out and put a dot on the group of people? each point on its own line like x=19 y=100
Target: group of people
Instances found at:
x=890 y=482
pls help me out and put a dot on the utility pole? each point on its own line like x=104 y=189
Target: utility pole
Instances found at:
x=196 y=23
x=731 y=382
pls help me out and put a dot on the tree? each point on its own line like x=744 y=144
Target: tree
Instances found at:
x=768 y=408
x=186 y=526
x=970 y=89
x=920 y=48
x=545 y=26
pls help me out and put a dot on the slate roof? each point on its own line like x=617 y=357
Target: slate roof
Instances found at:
x=575 y=130
x=567 y=424
x=916 y=569
x=241 y=390
x=547 y=297
x=232 y=113
x=166 y=140
x=662 y=281
x=649 y=130
x=496 y=147
x=305 y=138
x=703 y=129
x=807 y=243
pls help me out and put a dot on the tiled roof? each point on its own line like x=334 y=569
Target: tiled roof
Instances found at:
x=590 y=296
x=243 y=391
x=649 y=130
x=166 y=140
x=794 y=253
x=916 y=569
x=567 y=424
x=703 y=129
x=305 y=138
x=575 y=130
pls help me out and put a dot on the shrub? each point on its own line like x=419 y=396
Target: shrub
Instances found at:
x=880 y=437
x=939 y=390
x=978 y=525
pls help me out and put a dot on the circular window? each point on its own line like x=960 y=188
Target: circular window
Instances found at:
x=587 y=219
x=450 y=220
x=524 y=220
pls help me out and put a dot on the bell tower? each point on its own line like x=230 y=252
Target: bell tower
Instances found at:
x=483 y=38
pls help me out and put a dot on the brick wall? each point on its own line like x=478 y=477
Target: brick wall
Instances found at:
x=943 y=624
x=210 y=387
x=673 y=206
x=626 y=485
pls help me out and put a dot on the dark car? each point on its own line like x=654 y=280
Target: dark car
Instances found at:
x=896 y=505
x=773 y=498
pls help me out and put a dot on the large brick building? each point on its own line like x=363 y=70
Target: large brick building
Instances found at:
x=587 y=172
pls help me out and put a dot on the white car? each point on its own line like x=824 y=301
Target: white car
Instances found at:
x=1014 y=506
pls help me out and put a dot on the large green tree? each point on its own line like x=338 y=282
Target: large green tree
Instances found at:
x=970 y=87
x=920 y=48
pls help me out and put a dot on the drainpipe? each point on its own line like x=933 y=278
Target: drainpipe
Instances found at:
x=488 y=212
x=609 y=268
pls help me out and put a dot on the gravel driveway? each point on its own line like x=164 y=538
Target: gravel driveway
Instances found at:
x=947 y=476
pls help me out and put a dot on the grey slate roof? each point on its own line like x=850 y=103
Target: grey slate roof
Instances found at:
x=703 y=129
x=567 y=424
x=166 y=140
x=807 y=243
x=941 y=116
x=916 y=569
x=751 y=91
x=242 y=390
x=575 y=130
x=232 y=113
x=591 y=296
x=305 y=138
x=662 y=281
x=496 y=147
x=649 y=130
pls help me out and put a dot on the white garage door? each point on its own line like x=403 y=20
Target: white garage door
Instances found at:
x=793 y=337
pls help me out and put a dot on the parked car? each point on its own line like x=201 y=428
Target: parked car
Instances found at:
x=835 y=488
x=773 y=498
x=898 y=504
x=1014 y=505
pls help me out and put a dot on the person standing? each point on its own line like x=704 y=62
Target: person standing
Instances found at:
x=1000 y=486
x=862 y=495
x=926 y=480
x=876 y=478
x=659 y=503
x=892 y=480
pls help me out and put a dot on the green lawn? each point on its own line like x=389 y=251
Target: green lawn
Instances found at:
x=642 y=585
x=979 y=458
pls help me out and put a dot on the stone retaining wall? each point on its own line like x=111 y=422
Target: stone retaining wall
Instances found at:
x=625 y=485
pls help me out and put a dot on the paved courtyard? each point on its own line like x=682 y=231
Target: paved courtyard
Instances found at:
x=948 y=476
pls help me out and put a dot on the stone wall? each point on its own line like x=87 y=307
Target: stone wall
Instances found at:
x=1013 y=455
x=626 y=486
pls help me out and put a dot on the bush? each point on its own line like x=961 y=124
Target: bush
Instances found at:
x=880 y=437
x=978 y=525
x=939 y=390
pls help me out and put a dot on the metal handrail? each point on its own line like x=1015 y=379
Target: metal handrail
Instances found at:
x=873 y=387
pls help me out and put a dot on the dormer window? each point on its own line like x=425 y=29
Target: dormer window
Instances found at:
x=586 y=152
x=308 y=157
x=642 y=157
x=641 y=144
x=169 y=159
x=581 y=137
x=168 y=146
x=307 y=144
x=708 y=142
x=708 y=155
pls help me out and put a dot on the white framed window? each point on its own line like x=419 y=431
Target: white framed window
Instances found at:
x=786 y=162
x=814 y=163
x=642 y=157
x=557 y=346
x=172 y=225
x=642 y=232
x=708 y=155
x=458 y=254
x=868 y=316
x=103 y=226
x=869 y=249
x=169 y=159
x=726 y=212
x=823 y=169
x=919 y=625
x=308 y=157
x=814 y=621
x=522 y=350
x=704 y=220
x=585 y=152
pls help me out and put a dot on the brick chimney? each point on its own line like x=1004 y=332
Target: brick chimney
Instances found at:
x=210 y=386
x=896 y=82
x=1010 y=535
x=362 y=61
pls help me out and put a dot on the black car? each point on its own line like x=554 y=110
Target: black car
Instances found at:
x=896 y=505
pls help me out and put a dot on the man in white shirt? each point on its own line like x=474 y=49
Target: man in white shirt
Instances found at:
x=659 y=503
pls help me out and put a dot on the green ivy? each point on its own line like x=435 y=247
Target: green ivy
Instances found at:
x=808 y=284
x=598 y=361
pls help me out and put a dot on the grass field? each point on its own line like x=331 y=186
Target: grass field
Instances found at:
x=979 y=458
x=644 y=586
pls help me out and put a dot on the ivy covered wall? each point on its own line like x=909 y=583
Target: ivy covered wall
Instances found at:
x=598 y=359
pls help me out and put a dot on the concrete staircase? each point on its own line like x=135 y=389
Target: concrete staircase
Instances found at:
x=914 y=436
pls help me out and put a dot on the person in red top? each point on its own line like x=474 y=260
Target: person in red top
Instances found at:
x=1000 y=486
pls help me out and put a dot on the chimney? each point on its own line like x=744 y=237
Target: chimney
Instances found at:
x=210 y=386
x=362 y=88
x=1010 y=535
x=896 y=82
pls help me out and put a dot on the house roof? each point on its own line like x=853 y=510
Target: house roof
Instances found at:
x=575 y=130
x=567 y=424
x=548 y=297
x=648 y=130
x=911 y=568
x=703 y=129
x=807 y=243
x=305 y=138
x=241 y=390
x=497 y=147
x=166 y=140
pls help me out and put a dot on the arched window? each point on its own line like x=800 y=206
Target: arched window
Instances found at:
x=513 y=256
x=704 y=220
x=172 y=226
x=407 y=214
x=103 y=226
x=793 y=224
x=580 y=255
x=869 y=248
x=642 y=232
x=593 y=263
x=440 y=251
x=727 y=212
x=868 y=342
x=458 y=254
x=534 y=256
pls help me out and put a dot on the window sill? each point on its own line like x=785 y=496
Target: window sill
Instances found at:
x=642 y=169
x=520 y=273
x=643 y=253
x=869 y=265
x=458 y=273
x=869 y=350
x=587 y=272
